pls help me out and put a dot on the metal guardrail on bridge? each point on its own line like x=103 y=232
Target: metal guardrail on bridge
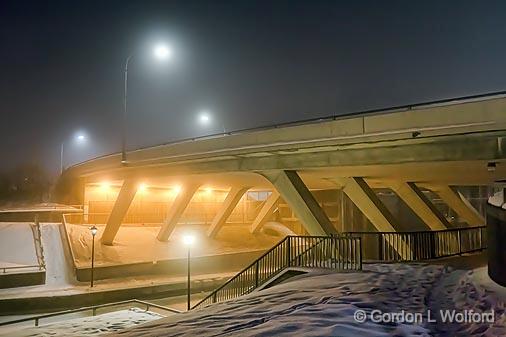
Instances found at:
x=420 y=245
x=332 y=252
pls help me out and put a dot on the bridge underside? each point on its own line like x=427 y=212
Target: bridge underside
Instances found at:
x=307 y=201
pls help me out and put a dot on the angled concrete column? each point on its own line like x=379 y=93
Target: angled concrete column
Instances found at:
x=176 y=210
x=459 y=204
x=420 y=204
x=119 y=210
x=368 y=202
x=293 y=190
x=266 y=211
x=233 y=197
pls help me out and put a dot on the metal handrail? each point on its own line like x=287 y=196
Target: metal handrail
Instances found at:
x=93 y=308
x=419 y=231
x=285 y=254
x=40 y=267
x=421 y=245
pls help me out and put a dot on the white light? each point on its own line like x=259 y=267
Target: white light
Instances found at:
x=80 y=137
x=93 y=230
x=188 y=239
x=162 y=52
x=204 y=118
x=142 y=187
x=105 y=185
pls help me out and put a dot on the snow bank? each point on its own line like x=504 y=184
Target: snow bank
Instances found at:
x=324 y=304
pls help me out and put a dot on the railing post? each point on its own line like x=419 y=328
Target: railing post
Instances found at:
x=36 y=322
x=256 y=274
x=460 y=241
x=288 y=251
x=380 y=247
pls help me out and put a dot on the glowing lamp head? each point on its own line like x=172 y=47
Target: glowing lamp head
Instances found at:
x=204 y=118
x=188 y=239
x=93 y=230
x=105 y=185
x=162 y=52
x=80 y=138
x=142 y=187
x=177 y=189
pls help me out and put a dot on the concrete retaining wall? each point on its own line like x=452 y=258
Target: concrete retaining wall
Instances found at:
x=177 y=267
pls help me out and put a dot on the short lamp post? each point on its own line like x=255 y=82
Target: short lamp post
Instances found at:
x=93 y=231
x=188 y=240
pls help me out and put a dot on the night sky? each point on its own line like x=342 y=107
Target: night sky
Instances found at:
x=249 y=63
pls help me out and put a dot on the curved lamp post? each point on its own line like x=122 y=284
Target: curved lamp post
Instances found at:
x=161 y=52
x=79 y=138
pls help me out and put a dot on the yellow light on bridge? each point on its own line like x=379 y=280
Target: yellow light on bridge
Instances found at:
x=104 y=186
x=142 y=187
x=177 y=189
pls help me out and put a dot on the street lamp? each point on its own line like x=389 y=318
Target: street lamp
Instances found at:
x=79 y=138
x=93 y=231
x=205 y=119
x=188 y=240
x=161 y=52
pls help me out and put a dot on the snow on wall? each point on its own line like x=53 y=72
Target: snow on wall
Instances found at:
x=16 y=245
x=59 y=269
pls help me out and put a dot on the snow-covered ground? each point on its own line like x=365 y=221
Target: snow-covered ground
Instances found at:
x=323 y=303
x=89 y=326
x=139 y=244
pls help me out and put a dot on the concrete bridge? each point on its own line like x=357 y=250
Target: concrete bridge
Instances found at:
x=409 y=150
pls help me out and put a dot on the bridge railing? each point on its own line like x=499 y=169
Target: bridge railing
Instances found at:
x=332 y=252
x=420 y=245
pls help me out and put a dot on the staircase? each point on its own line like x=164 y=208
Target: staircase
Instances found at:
x=330 y=252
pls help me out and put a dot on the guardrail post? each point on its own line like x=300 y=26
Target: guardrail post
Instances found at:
x=36 y=322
